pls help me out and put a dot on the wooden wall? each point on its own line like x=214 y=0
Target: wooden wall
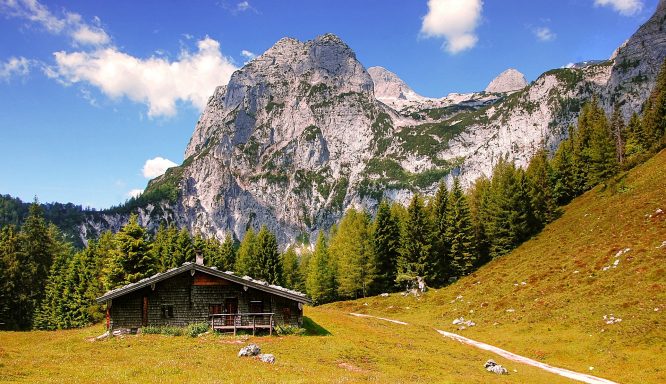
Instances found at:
x=190 y=297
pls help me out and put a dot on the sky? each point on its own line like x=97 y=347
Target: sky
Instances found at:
x=98 y=97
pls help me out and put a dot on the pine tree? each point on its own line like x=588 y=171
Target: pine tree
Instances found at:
x=320 y=281
x=246 y=254
x=292 y=275
x=386 y=239
x=132 y=259
x=225 y=257
x=618 y=130
x=508 y=209
x=10 y=273
x=637 y=142
x=601 y=152
x=563 y=176
x=460 y=233
x=416 y=253
x=654 y=113
x=477 y=197
x=184 y=249
x=441 y=243
x=267 y=263
x=540 y=190
x=351 y=248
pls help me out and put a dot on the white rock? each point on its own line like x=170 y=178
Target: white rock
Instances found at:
x=267 y=358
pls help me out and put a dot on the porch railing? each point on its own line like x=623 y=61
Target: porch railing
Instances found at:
x=236 y=321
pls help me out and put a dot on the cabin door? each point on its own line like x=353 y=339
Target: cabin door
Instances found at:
x=230 y=306
x=144 y=312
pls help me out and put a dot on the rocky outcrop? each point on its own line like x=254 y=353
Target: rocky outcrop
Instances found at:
x=510 y=80
x=637 y=63
x=304 y=131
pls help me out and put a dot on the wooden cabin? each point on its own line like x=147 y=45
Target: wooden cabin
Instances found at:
x=195 y=293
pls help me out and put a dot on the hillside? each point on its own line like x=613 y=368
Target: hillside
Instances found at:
x=546 y=300
x=552 y=298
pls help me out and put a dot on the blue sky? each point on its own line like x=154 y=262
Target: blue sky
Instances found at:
x=97 y=97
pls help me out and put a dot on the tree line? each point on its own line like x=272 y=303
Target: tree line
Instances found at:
x=45 y=283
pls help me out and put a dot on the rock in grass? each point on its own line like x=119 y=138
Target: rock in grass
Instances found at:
x=492 y=366
x=249 y=350
x=267 y=358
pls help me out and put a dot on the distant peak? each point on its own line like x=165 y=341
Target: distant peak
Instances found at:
x=389 y=87
x=507 y=81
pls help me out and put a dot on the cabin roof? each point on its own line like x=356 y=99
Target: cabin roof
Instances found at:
x=188 y=266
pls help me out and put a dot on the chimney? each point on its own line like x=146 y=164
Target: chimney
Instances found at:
x=199 y=259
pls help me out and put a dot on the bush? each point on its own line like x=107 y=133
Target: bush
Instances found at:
x=196 y=329
x=151 y=330
x=170 y=330
x=283 y=330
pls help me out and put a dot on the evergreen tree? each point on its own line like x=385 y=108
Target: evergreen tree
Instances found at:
x=460 y=233
x=654 y=113
x=601 y=151
x=477 y=197
x=320 y=281
x=508 y=209
x=246 y=254
x=132 y=259
x=386 y=239
x=184 y=250
x=441 y=243
x=563 y=176
x=303 y=269
x=267 y=263
x=637 y=142
x=540 y=189
x=351 y=248
x=618 y=130
x=292 y=275
x=225 y=255
x=416 y=253
x=11 y=293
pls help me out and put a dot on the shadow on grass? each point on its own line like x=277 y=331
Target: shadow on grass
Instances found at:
x=314 y=329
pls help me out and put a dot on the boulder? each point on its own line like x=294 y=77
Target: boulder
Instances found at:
x=492 y=366
x=267 y=358
x=249 y=350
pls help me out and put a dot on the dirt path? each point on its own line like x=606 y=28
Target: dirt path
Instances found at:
x=509 y=355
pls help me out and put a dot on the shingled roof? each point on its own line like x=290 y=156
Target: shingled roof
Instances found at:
x=230 y=276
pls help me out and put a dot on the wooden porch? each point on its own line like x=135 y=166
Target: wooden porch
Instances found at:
x=235 y=321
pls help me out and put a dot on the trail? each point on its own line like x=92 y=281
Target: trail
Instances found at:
x=585 y=378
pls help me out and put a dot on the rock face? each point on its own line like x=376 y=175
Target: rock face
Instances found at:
x=508 y=81
x=303 y=131
x=389 y=87
x=637 y=63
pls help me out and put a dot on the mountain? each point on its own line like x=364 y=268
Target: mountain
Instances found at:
x=508 y=81
x=304 y=131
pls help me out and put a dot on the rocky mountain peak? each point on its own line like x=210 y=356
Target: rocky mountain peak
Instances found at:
x=507 y=81
x=389 y=87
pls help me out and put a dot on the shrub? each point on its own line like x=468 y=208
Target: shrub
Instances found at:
x=151 y=330
x=283 y=330
x=196 y=329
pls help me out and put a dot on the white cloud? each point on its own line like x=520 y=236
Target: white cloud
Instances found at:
x=243 y=6
x=88 y=35
x=544 y=34
x=70 y=23
x=454 y=20
x=156 y=82
x=15 y=66
x=156 y=167
x=135 y=193
x=624 y=7
x=248 y=55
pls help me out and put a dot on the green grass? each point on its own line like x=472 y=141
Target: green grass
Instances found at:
x=558 y=313
x=339 y=349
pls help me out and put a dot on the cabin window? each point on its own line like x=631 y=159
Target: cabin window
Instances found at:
x=286 y=314
x=214 y=309
x=167 y=311
x=256 y=306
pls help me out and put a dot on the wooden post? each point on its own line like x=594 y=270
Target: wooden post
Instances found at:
x=270 y=327
x=254 y=325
